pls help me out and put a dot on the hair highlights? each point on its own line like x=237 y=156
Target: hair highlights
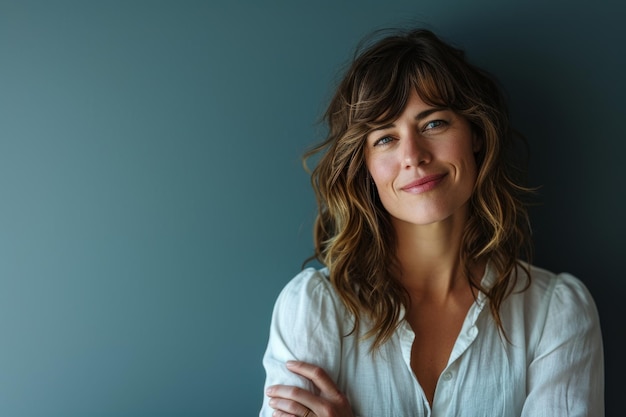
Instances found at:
x=353 y=233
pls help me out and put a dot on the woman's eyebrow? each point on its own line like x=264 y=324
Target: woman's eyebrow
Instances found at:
x=421 y=115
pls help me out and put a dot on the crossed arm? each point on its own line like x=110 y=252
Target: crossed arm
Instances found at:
x=291 y=401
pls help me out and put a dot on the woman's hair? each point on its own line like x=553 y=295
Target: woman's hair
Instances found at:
x=353 y=234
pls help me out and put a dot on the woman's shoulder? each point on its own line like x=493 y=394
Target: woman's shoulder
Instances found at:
x=308 y=281
x=309 y=291
x=549 y=296
x=548 y=308
x=308 y=285
x=560 y=287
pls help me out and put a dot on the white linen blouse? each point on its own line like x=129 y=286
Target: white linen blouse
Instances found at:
x=553 y=365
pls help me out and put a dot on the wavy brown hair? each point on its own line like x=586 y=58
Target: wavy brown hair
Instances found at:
x=353 y=234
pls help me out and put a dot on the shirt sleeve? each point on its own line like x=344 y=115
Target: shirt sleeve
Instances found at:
x=307 y=325
x=566 y=375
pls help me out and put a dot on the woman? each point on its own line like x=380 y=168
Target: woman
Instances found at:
x=425 y=306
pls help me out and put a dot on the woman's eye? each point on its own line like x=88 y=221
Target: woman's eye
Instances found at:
x=434 y=124
x=383 y=141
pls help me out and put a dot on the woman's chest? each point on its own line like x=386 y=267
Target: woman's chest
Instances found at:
x=484 y=376
x=436 y=333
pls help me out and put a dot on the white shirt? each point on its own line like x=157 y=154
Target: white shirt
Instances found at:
x=552 y=367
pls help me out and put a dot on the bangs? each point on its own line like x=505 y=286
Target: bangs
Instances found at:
x=383 y=89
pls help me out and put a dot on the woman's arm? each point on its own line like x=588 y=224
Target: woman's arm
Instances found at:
x=307 y=326
x=289 y=401
x=566 y=374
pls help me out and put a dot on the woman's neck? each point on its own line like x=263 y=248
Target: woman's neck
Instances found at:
x=429 y=257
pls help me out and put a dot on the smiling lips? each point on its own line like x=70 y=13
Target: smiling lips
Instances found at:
x=424 y=184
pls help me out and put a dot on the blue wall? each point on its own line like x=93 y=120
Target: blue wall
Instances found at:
x=152 y=201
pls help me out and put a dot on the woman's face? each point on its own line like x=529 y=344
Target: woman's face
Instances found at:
x=423 y=164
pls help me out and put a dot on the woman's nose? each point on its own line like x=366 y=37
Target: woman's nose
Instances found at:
x=415 y=151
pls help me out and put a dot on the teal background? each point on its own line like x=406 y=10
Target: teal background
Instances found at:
x=152 y=201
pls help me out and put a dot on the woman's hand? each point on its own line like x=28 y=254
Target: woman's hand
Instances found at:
x=289 y=401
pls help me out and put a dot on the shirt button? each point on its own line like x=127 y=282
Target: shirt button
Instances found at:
x=473 y=331
x=447 y=376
